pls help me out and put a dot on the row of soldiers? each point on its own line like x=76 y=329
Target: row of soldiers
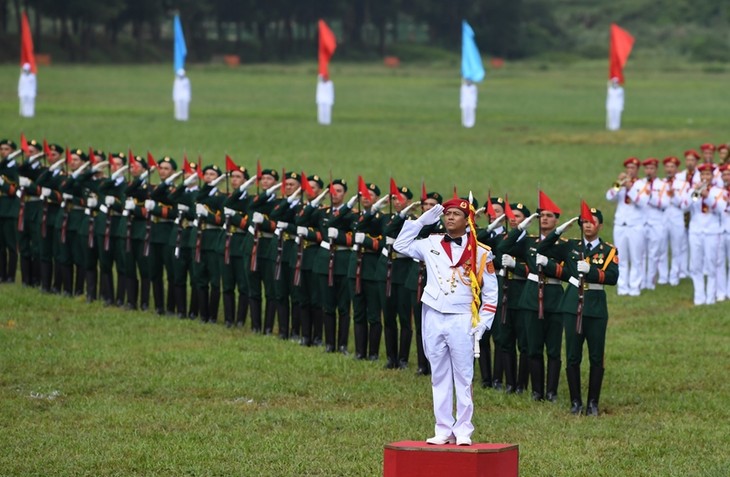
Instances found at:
x=287 y=251
x=675 y=226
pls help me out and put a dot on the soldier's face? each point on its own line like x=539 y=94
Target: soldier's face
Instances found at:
x=548 y=221
x=237 y=179
x=706 y=176
x=116 y=163
x=338 y=194
x=726 y=177
x=708 y=155
x=455 y=222
x=590 y=231
x=723 y=154
x=315 y=187
x=164 y=169
x=519 y=217
x=136 y=168
x=428 y=204
x=650 y=170
x=290 y=186
x=670 y=169
x=368 y=200
x=398 y=206
x=267 y=181
x=5 y=150
x=33 y=150
x=631 y=170
x=209 y=176
x=498 y=209
x=53 y=157
x=690 y=162
x=75 y=162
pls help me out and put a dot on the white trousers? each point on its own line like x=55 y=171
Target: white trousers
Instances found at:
x=181 y=110
x=27 y=106
x=629 y=240
x=450 y=351
x=324 y=114
x=468 y=117
x=613 y=119
x=654 y=235
x=703 y=263
x=674 y=239
x=723 y=273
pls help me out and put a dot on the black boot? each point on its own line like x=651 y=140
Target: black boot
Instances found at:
x=170 y=310
x=361 y=340
x=343 y=332
x=317 y=315
x=229 y=309
x=553 y=377
x=214 y=303
x=121 y=289
x=282 y=310
x=35 y=272
x=194 y=309
x=3 y=266
x=25 y=272
x=269 y=316
x=498 y=368
x=374 y=334
x=296 y=322
x=57 y=286
x=509 y=360
x=80 y=278
x=181 y=301
x=108 y=285
x=391 y=347
x=523 y=374
x=404 y=350
x=595 y=380
x=572 y=373
x=306 y=322
x=144 y=295
x=12 y=266
x=46 y=276
x=203 y=304
x=132 y=290
x=158 y=293
x=255 y=309
x=242 y=310
x=91 y=279
x=537 y=376
x=67 y=272
x=329 y=332
x=485 y=362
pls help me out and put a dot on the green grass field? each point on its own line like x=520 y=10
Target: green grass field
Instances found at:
x=86 y=390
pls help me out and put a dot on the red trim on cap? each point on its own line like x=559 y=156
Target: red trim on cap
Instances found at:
x=632 y=160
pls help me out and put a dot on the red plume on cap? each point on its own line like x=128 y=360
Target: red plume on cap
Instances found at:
x=394 y=191
x=585 y=213
x=24 y=144
x=508 y=209
x=46 y=149
x=455 y=196
x=362 y=188
x=490 y=207
x=544 y=203
x=230 y=165
x=151 y=160
x=92 y=156
x=306 y=186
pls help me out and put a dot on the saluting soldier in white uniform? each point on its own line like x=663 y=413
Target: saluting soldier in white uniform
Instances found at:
x=181 y=95
x=614 y=105
x=669 y=200
x=325 y=99
x=27 y=91
x=468 y=103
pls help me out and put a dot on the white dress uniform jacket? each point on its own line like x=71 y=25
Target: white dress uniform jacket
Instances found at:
x=628 y=236
x=669 y=201
x=614 y=108
x=468 y=104
x=26 y=93
x=325 y=98
x=181 y=96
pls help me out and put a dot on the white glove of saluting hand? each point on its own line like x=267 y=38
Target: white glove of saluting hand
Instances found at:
x=228 y=212
x=247 y=184
x=567 y=224
x=172 y=178
x=526 y=223
x=332 y=233
x=92 y=202
x=271 y=190
x=431 y=216
x=318 y=199
x=294 y=195
x=495 y=223
x=351 y=202
x=541 y=259
x=282 y=225
x=583 y=266
x=191 y=179
x=478 y=331
x=508 y=261
x=201 y=210
x=404 y=212
x=379 y=204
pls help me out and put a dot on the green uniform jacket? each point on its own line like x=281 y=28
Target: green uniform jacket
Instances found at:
x=262 y=204
x=238 y=223
x=306 y=217
x=372 y=226
x=162 y=215
x=9 y=203
x=212 y=224
x=32 y=193
x=341 y=220
x=136 y=190
x=284 y=212
x=183 y=220
x=400 y=265
x=116 y=189
x=79 y=188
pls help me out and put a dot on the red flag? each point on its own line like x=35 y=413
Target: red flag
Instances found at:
x=129 y=154
x=544 y=203
x=151 y=161
x=187 y=168
x=507 y=209
x=327 y=46
x=394 y=191
x=455 y=196
x=619 y=49
x=490 y=207
x=258 y=171
x=424 y=194
x=24 y=144
x=230 y=165
x=332 y=188
x=132 y=160
x=585 y=213
x=46 y=149
x=200 y=167
x=362 y=188
x=26 y=44
x=68 y=155
x=307 y=187
x=92 y=156
x=283 y=180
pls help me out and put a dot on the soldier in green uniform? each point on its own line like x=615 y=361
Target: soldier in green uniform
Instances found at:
x=49 y=246
x=9 y=207
x=362 y=271
x=29 y=216
x=132 y=227
x=589 y=263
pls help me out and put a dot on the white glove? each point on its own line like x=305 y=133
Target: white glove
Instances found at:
x=567 y=224
x=258 y=218
x=302 y=231
x=315 y=202
x=78 y=171
x=583 y=266
x=359 y=237
x=129 y=204
x=201 y=209
x=272 y=190
x=45 y=192
x=143 y=176
x=332 y=233
x=478 y=331
x=379 y=204
x=494 y=225
x=431 y=216
x=24 y=181
x=247 y=184
x=119 y=172
x=218 y=179
x=389 y=241
x=227 y=211
x=92 y=202
x=294 y=195
x=172 y=178
x=149 y=204
x=191 y=179
x=526 y=223
x=19 y=193
x=35 y=157
x=508 y=261
x=67 y=196
x=57 y=165
x=104 y=209
x=99 y=166
x=282 y=225
x=404 y=212
x=351 y=202
x=541 y=259
x=2 y=181
x=183 y=208
x=479 y=211
x=109 y=200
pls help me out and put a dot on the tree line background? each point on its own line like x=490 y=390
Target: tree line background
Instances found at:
x=285 y=30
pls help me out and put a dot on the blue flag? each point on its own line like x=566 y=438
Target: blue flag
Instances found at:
x=471 y=61
x=181 y=50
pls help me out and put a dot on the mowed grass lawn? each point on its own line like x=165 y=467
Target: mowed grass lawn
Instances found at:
x=86 y=390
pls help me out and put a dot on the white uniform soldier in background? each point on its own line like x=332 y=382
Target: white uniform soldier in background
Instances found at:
x=614 y=105
x=653 y=220
x=723 y=271
x=628 y=229
x=669 y=200
x=447 y=327
x=705 y=203
x=27 y=89
x=325 y=99
x=468 y=103
x=181 y=95
x=691 y=177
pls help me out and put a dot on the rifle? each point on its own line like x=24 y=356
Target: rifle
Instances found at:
x=107 y=229
x=255 y=249
x=64 y=221
x=90 y=233
x=44 y=218
x=298 y=265
x=178 y=233
x=331 y=265
x=229 y=235
x=360 y=252
x=421 y=276
x=279 y=253
x=21 y=212
x=581 y=292
x=505 y=294
x=389 y=272
x=128 y=234
x=198 y=238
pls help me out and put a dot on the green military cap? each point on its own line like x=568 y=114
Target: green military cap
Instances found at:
x=341 y=182
x=271 y=172
x=169 y=160
x=142 y=162
x=317 y=179
x=293 y=175
x=597 y=214
x=213 y=168
x=82 y=155
x=406 y=192
x=521 y=207
x=497 y=201
x=56 y=148
x=243 y=171
x=8 y=142
x=435 y=196
x=373 y=188
x=34 y=143
x=117 y=155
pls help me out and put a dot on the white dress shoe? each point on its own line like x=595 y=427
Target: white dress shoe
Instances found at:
x=463 y=441
x=441 y=440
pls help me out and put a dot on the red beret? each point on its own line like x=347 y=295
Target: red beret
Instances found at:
x=632 y=160
x=652 y=161
x=692 y=152
x=707 y=147
x=723 y=146
x=671 y=159
x=456 y=203
x=724 y=167
x=706 y=166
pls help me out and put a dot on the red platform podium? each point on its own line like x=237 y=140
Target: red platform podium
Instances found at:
x=418 y=459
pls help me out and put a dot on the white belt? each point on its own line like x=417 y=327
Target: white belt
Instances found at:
x=586 y=286
x=252 y=230
x=337 y=248
x=31 y=198
x=394 y=255
x=546 y=280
